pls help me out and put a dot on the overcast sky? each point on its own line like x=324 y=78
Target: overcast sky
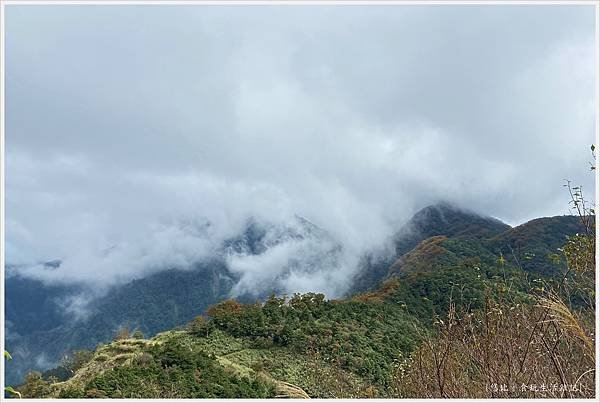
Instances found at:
x=124 y=124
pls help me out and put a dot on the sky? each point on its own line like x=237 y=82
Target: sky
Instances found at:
x=127 y=127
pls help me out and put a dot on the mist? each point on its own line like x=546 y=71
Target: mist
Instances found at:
x=140 y=138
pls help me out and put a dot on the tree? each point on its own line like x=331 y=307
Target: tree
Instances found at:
x=123 y=333
x=35 y=386
x=76 y=360
x=199 y=326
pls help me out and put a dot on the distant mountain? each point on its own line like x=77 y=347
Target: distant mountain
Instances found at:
x=442 y=219
x=530 y=244
x=448 y=220
x=158 y=302
x=279 y=252
x=33 y=306
x=527 y=247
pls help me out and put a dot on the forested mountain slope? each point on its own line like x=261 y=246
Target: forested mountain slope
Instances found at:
x=306 y=345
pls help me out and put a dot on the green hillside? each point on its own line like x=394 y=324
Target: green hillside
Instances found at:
x=304 y=346
x=532 y=244
x=362 y=346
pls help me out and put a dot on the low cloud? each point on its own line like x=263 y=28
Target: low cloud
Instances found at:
x=311 y=263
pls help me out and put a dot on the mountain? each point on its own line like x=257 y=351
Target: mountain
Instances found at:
x=529 y=245
x=31 y=305
x=448 y=220
x=443 y=248
x=40 y=332
x=442 y=219
x=442 y=265
x=307 y=346
x=151 y=304
x=440 y=248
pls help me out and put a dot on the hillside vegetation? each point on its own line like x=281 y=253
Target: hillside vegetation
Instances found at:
x=469 y=308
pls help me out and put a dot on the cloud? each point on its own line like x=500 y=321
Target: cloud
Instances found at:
x=297 y=258
x=141 y=137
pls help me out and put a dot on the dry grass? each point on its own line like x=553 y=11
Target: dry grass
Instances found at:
x=504 y=352
x=566 y=320
x=287 y=390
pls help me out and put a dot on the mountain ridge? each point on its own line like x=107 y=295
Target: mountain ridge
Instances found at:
x=134 y=304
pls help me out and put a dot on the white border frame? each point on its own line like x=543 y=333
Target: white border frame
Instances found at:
x=5 y=3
